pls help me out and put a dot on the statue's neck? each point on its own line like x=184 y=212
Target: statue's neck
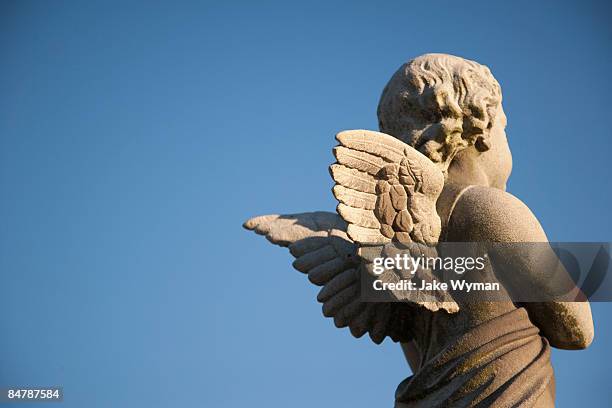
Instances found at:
x=446 y=203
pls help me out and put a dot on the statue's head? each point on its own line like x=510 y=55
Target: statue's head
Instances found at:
x=449 y=108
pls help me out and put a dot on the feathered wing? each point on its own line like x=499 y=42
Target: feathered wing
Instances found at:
x=323 y=250
x=387 y=190
x=387 y=193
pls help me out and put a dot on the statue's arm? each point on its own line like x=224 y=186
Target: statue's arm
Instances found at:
x=492 y=215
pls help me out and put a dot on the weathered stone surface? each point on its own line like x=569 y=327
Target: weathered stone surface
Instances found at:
x=440 y=164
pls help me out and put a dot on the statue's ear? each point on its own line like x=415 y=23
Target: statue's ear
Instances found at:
x=482 y=143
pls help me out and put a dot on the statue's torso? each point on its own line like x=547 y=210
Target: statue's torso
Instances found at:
x=487 y=354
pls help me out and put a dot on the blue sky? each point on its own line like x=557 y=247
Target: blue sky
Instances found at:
x=136 y=138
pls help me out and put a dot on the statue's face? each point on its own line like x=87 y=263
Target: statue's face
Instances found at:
x=497 y=161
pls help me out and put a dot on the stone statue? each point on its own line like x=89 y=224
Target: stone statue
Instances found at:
x=437 y=173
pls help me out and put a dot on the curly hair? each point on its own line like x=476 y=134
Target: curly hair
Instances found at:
x=440 y=104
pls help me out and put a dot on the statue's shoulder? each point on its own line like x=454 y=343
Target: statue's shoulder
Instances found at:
x=489 y=214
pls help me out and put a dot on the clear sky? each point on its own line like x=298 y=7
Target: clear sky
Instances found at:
x=136 y=138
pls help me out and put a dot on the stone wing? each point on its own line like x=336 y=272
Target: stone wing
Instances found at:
x=323 y=251
x=387 y=190
x=387 y=193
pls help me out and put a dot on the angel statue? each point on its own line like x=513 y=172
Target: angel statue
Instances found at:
x=436 y=173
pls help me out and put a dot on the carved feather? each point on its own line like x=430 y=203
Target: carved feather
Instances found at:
x=354 y=198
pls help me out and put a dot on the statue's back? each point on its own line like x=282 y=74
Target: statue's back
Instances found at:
x=487 y=354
